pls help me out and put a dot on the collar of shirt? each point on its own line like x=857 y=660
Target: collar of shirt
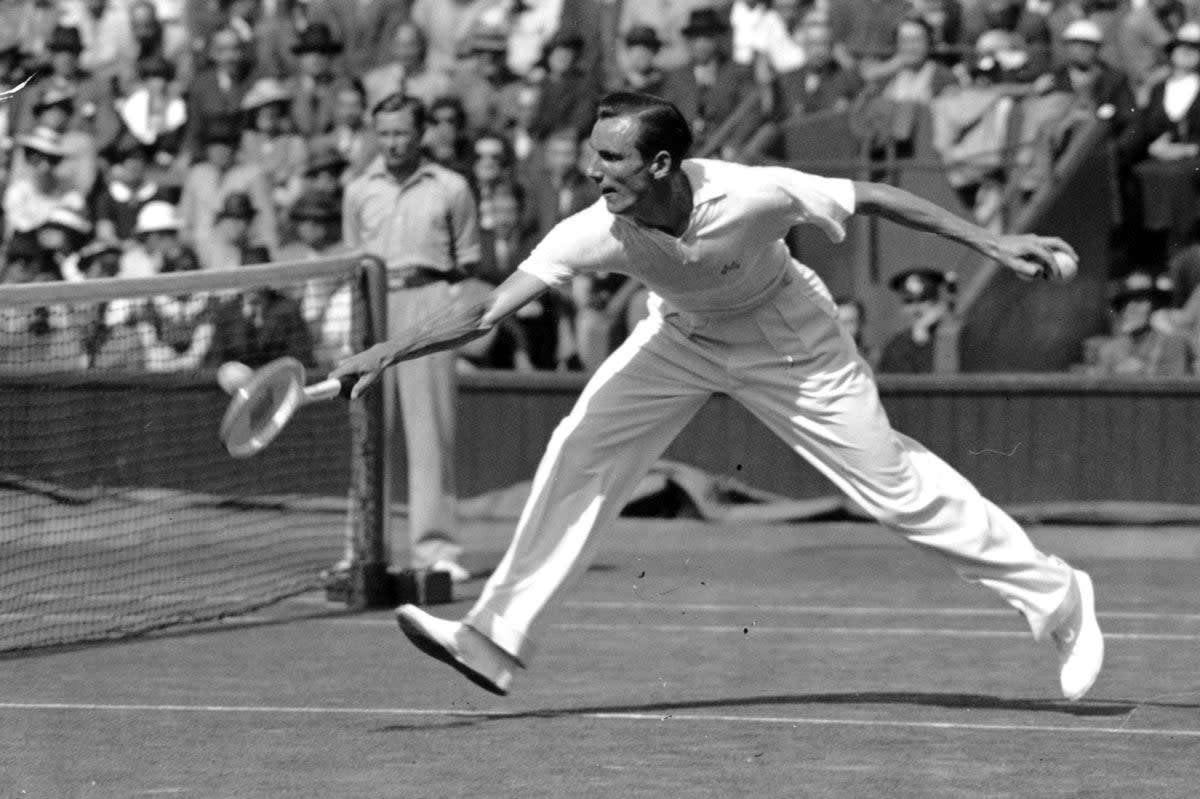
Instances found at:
x=703 y=188
x=378 y=170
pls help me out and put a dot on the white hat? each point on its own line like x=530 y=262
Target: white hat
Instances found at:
x=264 y=92
x=67 y=217
x=43 y=140
x=1083 y=30
x=157 y=216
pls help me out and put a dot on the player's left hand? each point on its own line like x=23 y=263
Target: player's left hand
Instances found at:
x=1031 y=256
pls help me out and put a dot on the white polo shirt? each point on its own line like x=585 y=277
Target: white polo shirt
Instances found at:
x=732 y=255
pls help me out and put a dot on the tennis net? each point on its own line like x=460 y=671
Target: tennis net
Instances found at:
x=120 y=511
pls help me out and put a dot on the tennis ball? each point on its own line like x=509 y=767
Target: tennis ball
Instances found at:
x=232 y=375
x=1065 y=267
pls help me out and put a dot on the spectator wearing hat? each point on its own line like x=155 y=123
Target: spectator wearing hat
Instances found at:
x=106 y=331
x=1027 y=24
x=926 y=295
x=408 y=71
x=127 y=190
x=270 y=140
x=710 y=86
x=637 y=68
x=30 y=198
x=1158 y=152
x=217 y=90
x=314 y=81
x=154 y=113
x=156 y=235
x=92 y=110
x=325 y=303
x=486 y=85
x=41 y=340
x=1136 y=346
x=1099 y=89
x=54 y=110
x=366 y=28
x=233 y=243
x=176 y=331
x=65 y=231
x=668 y=18
x=104 y=29
x=210 y=181
x=567 y=95
x=324 y=171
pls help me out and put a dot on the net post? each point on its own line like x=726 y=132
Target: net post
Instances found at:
x=372 y=586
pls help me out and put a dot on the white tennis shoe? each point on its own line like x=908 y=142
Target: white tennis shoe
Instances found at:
x=1080 y=643
x=454 y=643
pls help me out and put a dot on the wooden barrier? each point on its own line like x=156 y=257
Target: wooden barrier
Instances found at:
x=1020 y=438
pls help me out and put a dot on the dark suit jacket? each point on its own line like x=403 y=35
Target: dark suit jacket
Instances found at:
x=1151 y=122
x=1111 y=87
x=312 y=107
x=206 y=99
x=708 y=107
x=807 y=90
x=282 y=331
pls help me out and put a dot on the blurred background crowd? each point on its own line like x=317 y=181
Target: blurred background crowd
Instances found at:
x=170 y=135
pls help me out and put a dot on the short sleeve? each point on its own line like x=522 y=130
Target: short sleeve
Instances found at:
x=574 y=246
x=814 y=199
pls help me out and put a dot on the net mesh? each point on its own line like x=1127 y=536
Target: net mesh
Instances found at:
x=120 y=510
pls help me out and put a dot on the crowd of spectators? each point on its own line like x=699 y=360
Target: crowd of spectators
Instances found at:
x=163 y=135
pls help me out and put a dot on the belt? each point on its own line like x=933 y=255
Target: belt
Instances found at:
x=414 y=277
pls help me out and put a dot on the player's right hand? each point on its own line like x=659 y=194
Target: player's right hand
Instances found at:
x=367 y=366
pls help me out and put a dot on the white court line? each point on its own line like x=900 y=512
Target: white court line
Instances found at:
x=760 y=629
x=660 y=717
x=838 y=610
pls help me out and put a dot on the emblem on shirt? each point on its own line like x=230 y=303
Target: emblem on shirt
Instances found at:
x=730 y=267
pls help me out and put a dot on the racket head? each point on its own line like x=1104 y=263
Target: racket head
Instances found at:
x=262 y=406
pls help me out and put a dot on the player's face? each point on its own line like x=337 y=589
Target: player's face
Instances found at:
x=399 y=138
x=623 y=175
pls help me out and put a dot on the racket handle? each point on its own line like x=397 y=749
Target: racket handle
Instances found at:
x=329 y=388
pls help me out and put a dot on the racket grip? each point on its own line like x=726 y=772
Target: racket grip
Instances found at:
x=330 y=388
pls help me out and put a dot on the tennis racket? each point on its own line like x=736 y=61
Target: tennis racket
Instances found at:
x=262 y=406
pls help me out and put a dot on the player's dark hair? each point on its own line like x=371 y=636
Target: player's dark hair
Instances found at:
x=401 y=102
x=661 y=126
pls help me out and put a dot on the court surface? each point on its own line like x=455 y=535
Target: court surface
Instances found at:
x=693 y=660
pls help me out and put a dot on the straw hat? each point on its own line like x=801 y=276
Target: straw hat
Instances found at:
x=157 y=216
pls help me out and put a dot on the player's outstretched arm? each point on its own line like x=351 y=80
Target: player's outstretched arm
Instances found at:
x=466 y=318
x=1029 y=255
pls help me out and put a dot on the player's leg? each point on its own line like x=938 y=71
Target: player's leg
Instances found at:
x=631 y=409
x=833 y=417
x=426 y=392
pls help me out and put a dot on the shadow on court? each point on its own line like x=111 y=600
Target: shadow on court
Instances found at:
x=872 y=673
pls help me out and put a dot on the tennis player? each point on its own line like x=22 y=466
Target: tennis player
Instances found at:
x=731 y=312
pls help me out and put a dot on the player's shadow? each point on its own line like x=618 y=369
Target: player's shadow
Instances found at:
x=942 y=700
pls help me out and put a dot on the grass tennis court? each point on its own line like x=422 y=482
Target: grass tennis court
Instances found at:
x=694 y=659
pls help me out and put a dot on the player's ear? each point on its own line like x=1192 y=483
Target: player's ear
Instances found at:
x=660 y=164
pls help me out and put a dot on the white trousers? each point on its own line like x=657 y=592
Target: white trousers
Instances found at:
x=791 y=365
x=425 y=392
